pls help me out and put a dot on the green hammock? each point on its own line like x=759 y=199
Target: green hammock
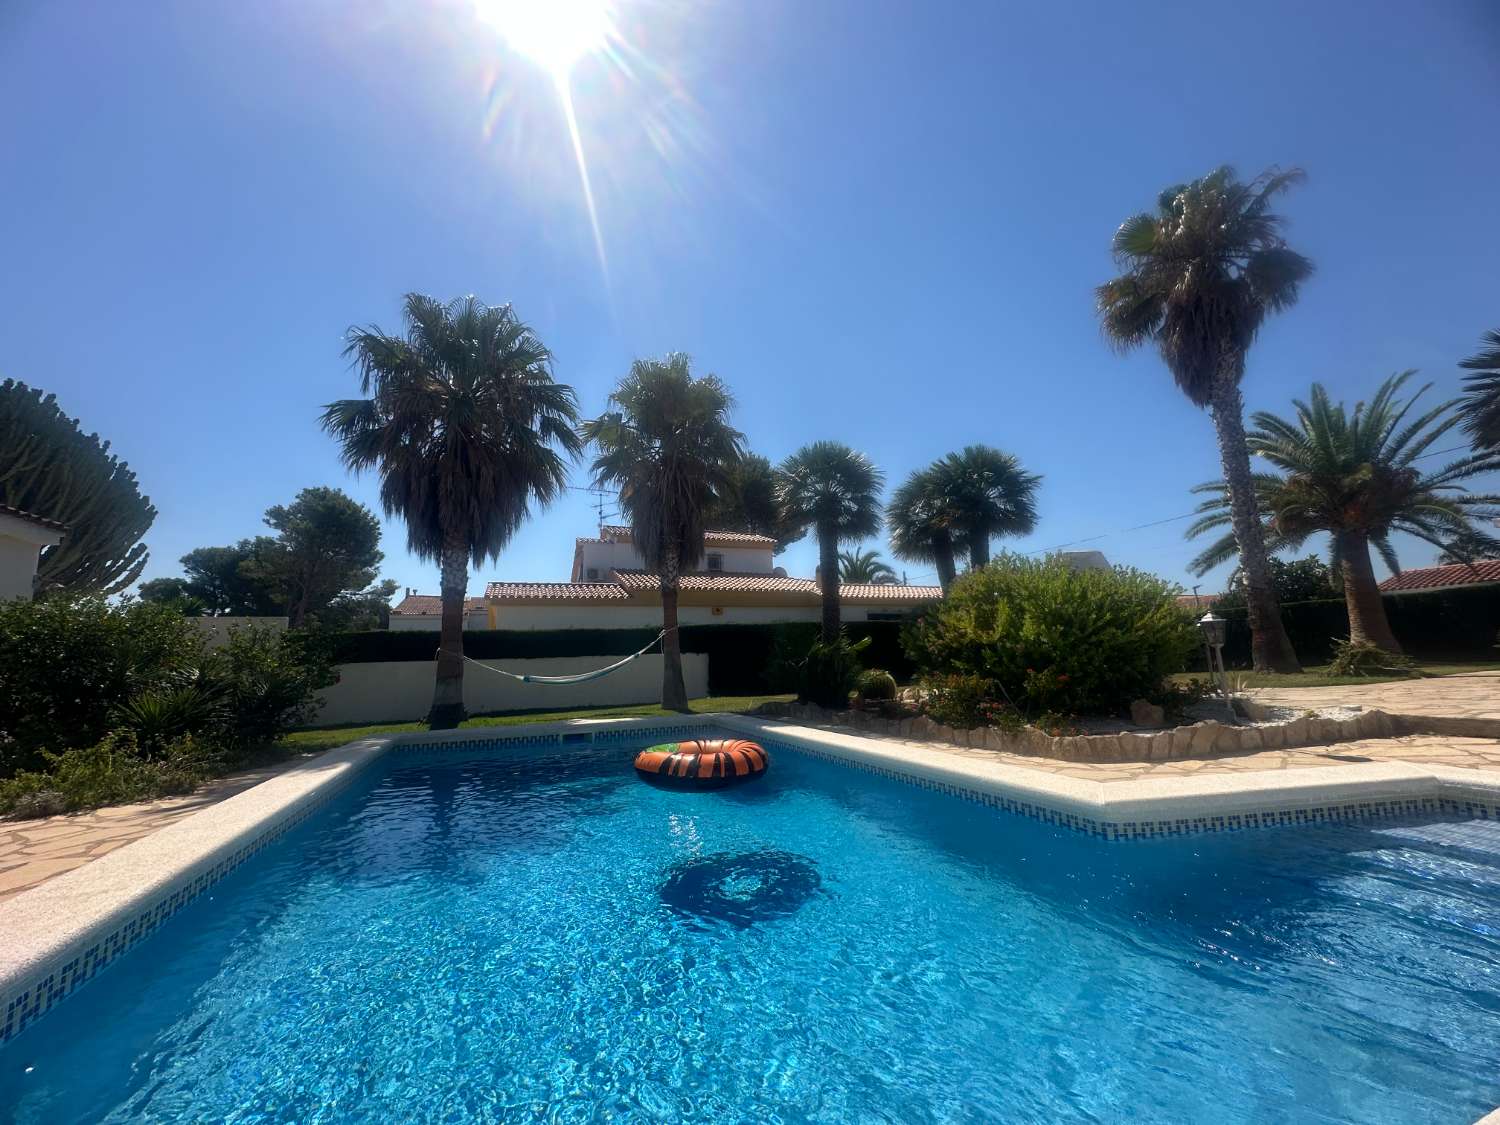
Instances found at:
x=577 y=677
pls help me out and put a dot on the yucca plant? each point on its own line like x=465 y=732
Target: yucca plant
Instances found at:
x=1354 y=476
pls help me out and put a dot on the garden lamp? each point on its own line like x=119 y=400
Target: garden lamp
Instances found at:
x=1215 y=630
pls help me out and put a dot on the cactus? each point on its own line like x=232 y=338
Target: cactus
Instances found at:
x=51 y=468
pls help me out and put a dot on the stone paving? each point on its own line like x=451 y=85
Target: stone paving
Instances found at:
x=32 y=851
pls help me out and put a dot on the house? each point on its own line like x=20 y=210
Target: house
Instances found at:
x=1198 y=603
x=1481 y=572
x=737 y=582
x=418 y=612
x=22 y=537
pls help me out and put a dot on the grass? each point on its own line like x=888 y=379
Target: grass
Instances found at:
x=326 y=738
x=1317 y=676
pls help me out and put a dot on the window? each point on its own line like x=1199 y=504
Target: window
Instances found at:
x=715 y=562
x=593 y=574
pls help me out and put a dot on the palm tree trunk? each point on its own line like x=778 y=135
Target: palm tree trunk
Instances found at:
x=942 y=555
x=1271 y=649
x=1367 y=620
x=979 y=548
x=828 y=572
x=448 y=692
x=673 y=690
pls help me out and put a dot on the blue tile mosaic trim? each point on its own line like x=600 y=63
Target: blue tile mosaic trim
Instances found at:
x=1181 y=826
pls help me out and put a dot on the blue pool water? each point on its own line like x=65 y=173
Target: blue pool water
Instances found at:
x=547 y=938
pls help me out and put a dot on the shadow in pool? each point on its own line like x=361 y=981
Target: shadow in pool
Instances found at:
x=741 y=889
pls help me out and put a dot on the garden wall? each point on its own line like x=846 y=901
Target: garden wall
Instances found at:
x=398 y=690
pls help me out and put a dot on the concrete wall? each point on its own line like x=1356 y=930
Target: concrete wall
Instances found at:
x=433 y=622
x=402 y=689
x=623 y=556
x=17 y=568
x=624 y=616
x=216 y=630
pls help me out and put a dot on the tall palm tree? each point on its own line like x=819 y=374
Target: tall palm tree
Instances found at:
x=1200 y=277
x=1354 y=476
x=1481 y=402
x=668 y=447
x=989 y=495
x=466 y=429
x=835 y=491
x=923 y=524
x=863 y=568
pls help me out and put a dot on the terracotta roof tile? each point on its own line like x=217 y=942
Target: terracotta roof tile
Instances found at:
x=32 y=517
x=617 y=534
x=888 y=592
x=1436 y=577
x=432 y=604
x=555 y=591
x=1198 y=601
x=726 y=581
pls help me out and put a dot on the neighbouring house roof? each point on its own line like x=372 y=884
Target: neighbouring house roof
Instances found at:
x=32 y=517
x=1478 y=573
x=720 y=582
x=617 y=534
x=431 y=605
x=887 y=592
x=1198 y=601
x=555 y=591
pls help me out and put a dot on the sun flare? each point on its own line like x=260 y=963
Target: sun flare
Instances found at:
x=554 y=34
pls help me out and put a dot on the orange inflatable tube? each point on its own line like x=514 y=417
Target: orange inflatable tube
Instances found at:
x=704 y=763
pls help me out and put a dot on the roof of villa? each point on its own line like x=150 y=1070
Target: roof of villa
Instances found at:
x=721 y=581
x=555 y=591
x=614 y=533
x=627 y=583
x=432 y=605
x=1198 y=601
x=1478 y=573
x=888 y=592
x=32 y=517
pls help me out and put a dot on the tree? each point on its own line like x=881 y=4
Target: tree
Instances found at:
x=174 y=592
x=327 y=543
x=748 y=503
x=864 y=568
x=1481 y=402
x=51 y=468
x=235 y=581
x=923 y=524
x=989 y=495
x=467 y=429
x=1307 y=579
x=1201 y=276
x=835 y=491
x=668 y=447
x=1353 y=475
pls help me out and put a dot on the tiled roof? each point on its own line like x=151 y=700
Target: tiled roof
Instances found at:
x=432 y=604
x=30 y=517
x=1436 y=577
x=1198 y=601
x=888 y=592
x=616 y=534
x=555 y=591
x=725 y=581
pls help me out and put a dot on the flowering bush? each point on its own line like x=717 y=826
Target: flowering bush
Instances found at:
x=1055 y=639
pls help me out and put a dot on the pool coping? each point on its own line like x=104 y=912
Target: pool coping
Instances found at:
x=61 y=933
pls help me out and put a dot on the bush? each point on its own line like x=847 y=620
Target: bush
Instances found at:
x=1361 y=658
x=962 y=700
x=267 y=682
x=827 y=674
x=875 y=684
x=67 y=665
x=1053 y=639
x=110 y=772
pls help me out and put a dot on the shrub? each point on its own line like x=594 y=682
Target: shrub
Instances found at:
x=1055 y=639
x=267 y=682
x=110 y=772
x=1361 y=658
x=875 y=684
x=67 y=664
x=827 y=673
x=962 y=700
x=162 y=715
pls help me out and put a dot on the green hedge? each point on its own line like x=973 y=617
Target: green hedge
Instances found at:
x=1458 y=624
x=741 y=658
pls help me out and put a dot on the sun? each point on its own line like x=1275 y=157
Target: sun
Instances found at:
x=554 y=34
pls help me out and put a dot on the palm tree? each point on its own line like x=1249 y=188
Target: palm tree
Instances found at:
x=749 y=503
x=1353 y=475
x=1481 y=402
x=668 y=447
x=864 y=568
x=834 y=490
x=467 y=429
x=989 y=495
x=1201 y=276
x=923 y=524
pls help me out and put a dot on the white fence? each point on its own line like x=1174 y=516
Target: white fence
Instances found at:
x=397 y=690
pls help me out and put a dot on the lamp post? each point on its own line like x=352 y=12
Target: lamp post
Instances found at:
x=1214 y=629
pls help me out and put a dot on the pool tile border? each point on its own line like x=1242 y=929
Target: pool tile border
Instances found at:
x=70 y=928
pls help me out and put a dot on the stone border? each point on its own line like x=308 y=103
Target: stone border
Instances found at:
x=1199 y=740
x=60 y=934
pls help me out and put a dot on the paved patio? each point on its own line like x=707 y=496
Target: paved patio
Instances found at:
x=1471 y=695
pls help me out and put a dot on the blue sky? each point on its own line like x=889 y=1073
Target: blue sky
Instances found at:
x=878 y=222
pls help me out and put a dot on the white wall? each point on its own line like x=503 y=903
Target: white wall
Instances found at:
x=623 y=556
x=433 y=622
x=402 y=690
x=216 y=630
x=17 y=568
x=624 y=616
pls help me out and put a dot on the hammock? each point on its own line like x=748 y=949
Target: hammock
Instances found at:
x=577 y=677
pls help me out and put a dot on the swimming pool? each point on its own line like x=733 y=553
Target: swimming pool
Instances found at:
x=538 y=935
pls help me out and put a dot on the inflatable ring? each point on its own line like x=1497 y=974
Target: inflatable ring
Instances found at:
x=705 y=763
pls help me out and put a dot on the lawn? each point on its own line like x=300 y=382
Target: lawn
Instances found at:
x=326 y=738
x=1317 y=676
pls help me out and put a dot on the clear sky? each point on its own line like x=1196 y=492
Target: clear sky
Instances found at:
x=878 y=222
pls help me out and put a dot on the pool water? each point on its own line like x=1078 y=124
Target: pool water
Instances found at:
x=547 y=938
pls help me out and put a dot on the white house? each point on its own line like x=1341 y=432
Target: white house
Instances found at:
x=22 y=537
x=425 y=612
x=738 y=582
